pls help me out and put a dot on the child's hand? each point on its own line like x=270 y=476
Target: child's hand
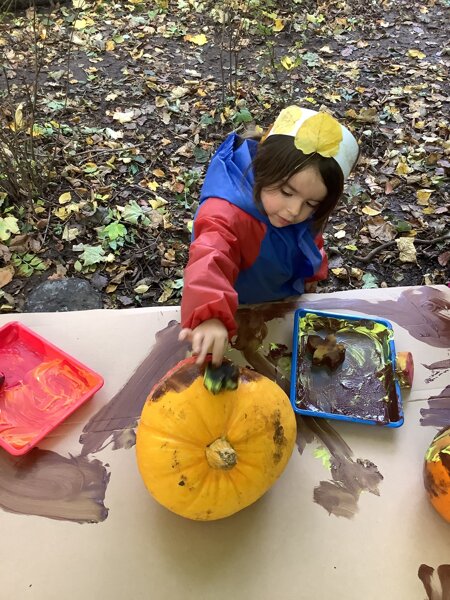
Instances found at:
x=310 y=287
x=209 y=336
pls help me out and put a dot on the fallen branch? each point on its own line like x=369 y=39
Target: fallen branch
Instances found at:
x=368 y=257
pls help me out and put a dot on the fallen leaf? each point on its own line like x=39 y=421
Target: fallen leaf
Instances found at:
x=423 y=197
x=370 y=211
x=179 y=91
x=356 y=273
x=141 y=289
x=402 y=168
x=407 y=250
x=381 y=230
x=278 y=25
x=123 y=117
x=64 y=198
x=369 y=281
x=8 y=225
x=340 y=234
x=6 y=275
x=340 y=272
x=444 y=258
x=198 y=40
x=416 y=54
x=287 y=63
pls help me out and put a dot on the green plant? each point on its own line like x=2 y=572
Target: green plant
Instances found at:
x=27 y=264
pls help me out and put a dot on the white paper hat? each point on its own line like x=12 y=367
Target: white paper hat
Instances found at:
x=318 y=132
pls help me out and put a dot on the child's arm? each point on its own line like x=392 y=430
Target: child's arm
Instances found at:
x=322 y=273
x=227 y=240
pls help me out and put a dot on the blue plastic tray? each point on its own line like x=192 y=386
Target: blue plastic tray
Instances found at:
x=340 y=371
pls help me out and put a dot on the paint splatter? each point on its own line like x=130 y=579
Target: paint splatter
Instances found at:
x=435 y=581
x=116 y=421
x=45 y=484
x=439 y=368
x=438 y=412
x=350 y=477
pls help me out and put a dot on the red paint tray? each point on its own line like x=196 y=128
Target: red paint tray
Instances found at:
x=43 y=386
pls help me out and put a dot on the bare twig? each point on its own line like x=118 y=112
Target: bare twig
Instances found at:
x=368 y=257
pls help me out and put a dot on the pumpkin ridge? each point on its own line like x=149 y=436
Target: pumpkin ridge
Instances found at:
x=162 y=435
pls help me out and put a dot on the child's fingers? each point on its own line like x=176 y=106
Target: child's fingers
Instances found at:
x=203 y=350
x=185 y=334
x=197 y=342
x=218 y=351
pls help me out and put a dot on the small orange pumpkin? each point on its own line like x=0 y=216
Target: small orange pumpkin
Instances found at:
x=437 y=473
x=206 y=456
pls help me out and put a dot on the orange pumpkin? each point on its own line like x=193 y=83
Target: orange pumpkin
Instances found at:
x=437 y=473
x=206 y=456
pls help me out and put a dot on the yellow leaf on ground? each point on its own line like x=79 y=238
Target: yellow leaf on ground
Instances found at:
x=81 y=4
x=407 y=249
x=198 y=40
x=416 y=54
x=110 y=46
x=402 y=168
x=65 y=198
x=287 y=63
x=80 y=24
x=157 y=203
x=340 y=272
x=278 y=25
x=423 y=197
x=370 y=211
x=158 y=173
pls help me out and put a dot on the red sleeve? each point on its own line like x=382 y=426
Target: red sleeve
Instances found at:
x=227 y=240
x=322 y=273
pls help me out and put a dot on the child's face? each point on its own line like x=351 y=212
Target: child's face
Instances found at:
x=296 y=200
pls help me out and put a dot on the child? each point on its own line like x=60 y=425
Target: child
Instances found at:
x=258 y=231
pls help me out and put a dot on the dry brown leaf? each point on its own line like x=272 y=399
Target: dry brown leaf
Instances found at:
x=6 y=275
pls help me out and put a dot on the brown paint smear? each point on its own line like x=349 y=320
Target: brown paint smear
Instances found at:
x=45 y=484
x=350 y=477
x=423 y=312
x=438 y=412
x=116 y=421
x=435 y=581
x=439 y=368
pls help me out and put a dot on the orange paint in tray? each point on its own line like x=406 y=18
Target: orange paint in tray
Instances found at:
x=42 y=386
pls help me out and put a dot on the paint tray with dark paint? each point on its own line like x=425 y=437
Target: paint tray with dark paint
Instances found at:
x=40 y=387
x=360 y=386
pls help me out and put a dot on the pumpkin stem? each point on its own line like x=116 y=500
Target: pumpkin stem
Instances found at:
x=218 y=379
x=221 y=455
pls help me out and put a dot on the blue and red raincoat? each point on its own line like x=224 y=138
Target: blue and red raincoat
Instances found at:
x=237 y=256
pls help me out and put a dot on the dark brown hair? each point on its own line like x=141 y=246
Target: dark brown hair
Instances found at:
x=277 y=159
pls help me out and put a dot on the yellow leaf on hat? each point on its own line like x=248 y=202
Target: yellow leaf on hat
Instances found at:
x=320 y=133
x=286 y=120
